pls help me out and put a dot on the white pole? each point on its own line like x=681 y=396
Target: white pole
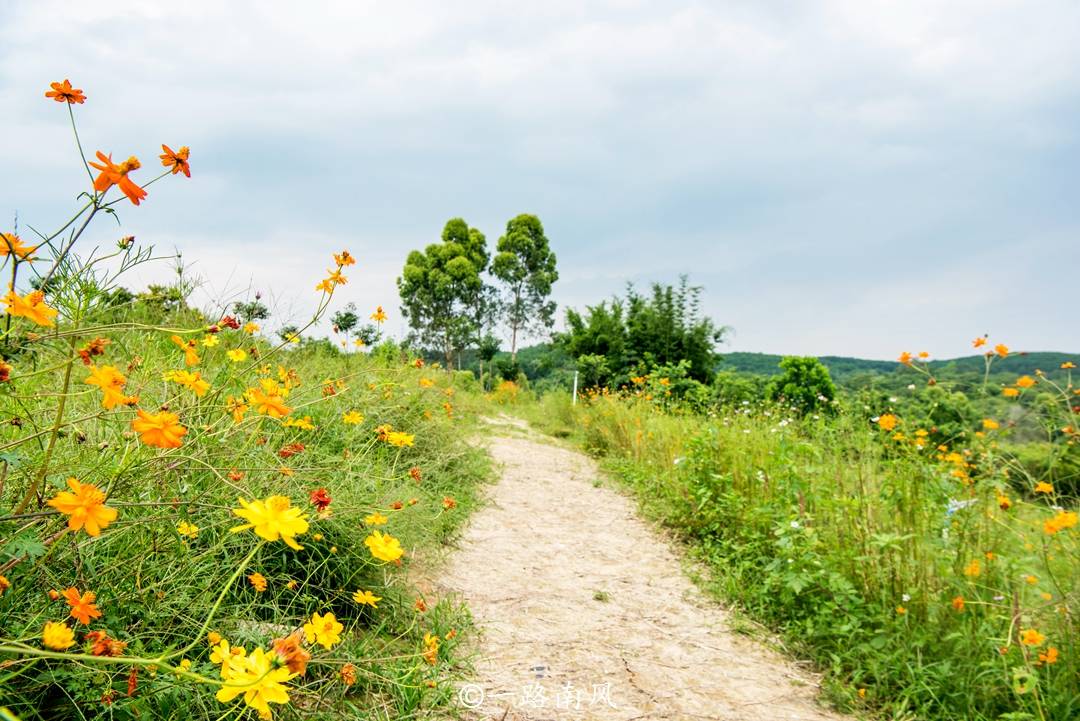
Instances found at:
x=574 y=403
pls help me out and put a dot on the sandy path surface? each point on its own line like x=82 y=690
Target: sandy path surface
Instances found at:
x=585 y=613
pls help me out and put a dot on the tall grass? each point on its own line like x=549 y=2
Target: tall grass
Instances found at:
x=912 y=574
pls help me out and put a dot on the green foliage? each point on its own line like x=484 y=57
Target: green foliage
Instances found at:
x=251 y=311
x=852 y=544
x=640 y=332
x=805 y=384
x=525 y=265
x=345 y=319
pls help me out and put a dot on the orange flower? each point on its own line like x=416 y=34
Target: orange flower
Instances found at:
x=82 y=606
x=177 y=160
x=113 y=174
x=348 y=674
x=64 y=93
x=1062 y=521
x=31 y=306
x=258 y=581
x=979 y=342
x=343 y=258
x=1010 y=392
x=269 y=405
x=905 y=358
x=1068 y=365
x=1025 y=382
x=162 y=430
x=191 y=355
x=1001 y=349
x=1031 y=637
x=102 y=645
x=5 y=371
x=13 y=245
x=1049 y=656
x=291 y=653
x=887 y=421
x=85 y=507
x=958 y=604
x=448 y=502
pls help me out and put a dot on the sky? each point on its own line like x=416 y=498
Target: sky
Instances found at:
x=843 y=178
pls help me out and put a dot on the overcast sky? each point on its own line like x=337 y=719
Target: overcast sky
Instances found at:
x=851 y=177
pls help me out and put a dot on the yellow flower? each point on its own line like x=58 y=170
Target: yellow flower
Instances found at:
x=1031 y=580
x=85 y=507
x=251 y=328
x=210 y=341
x=973 y=569
x=1031 y=637
x=383 y=546
x=303 y=424
x=213 y=638
x=324 y=630
x=1044 y=487
x=272 y=518
x=379 y=315
x=366 y=598
x=900 y=610
x=5 y=584
x=1068 y=365
x=399 y=439
x=258 y=581
x=343 y=258
x=352 y=418
x=887 y=421
x=1060 y=522
x=375 y=519
x=236 y=355
x=225 y=655
x=1010 y=392
x=191 y=381
x=190 y=530
x=990 y=424
x=57 y=636
x=258 y=680
x=1025 y=382
x=31 y=306
x=426 y=383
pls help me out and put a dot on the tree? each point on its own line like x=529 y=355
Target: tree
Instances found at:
x=487 y=349
x=439 y=288
x=345 y=320
x=251 y=311
x=642 y=332
x=804 y=384
x=525 y=265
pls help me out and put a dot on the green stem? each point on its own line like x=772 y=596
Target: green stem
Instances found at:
x=217 y=604
x=31 y=491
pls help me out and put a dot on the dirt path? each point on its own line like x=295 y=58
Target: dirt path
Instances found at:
x=585 y=612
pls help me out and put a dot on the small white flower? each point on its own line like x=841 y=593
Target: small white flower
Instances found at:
x=911 y=386
x=906 y=597
x=795 y=524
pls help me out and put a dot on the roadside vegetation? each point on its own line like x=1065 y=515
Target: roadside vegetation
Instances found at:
x=199 y=519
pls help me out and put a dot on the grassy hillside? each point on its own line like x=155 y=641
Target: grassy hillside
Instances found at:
x=843 y=368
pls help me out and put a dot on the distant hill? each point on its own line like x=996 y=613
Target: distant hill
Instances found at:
x=842 y=368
